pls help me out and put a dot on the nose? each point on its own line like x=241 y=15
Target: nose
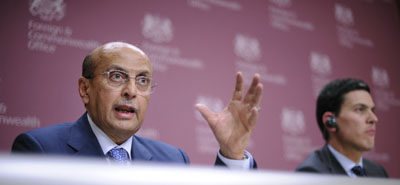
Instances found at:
x=373 y=119
x=130 y=90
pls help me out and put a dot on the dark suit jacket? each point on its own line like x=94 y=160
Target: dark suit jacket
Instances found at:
x=323 y=161
x=78 y=139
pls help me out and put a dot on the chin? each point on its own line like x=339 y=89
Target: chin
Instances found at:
x=129 y=128
x=124 y=126
x=368 y=147
x=125 y=132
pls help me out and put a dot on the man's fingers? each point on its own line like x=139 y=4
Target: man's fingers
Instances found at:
x=253 y=118
x=256 y=100
x=238 y=92
x=206 y=113
x=252 y=91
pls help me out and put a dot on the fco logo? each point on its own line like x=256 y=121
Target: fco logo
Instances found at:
x=344 y=15
x=293 y=121
x=48 y=10
x=157 y=29
x=247 y=48
x=214 y=103
x=320 y=63
x=282 y=3
x=380 y=77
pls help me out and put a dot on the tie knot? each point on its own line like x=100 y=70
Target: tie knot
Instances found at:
x=358 y=170
x=119 y=155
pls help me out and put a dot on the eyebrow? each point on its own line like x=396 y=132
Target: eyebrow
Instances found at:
x=143 y=73
x=365 y=106
x=360 y=104
x=119 y=68
x=115 y=67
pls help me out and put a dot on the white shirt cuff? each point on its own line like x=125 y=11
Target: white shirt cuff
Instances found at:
x=237 y=164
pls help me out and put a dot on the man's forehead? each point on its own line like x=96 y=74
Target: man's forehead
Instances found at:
x=113 y=46
x=126 y=56
x=358 y=97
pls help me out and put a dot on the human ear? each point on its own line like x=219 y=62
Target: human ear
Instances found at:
x=83 y=88
x=329 y=121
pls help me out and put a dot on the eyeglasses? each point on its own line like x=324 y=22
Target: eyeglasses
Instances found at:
x=117 y=78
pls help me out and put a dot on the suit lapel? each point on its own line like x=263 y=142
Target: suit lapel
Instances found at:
x=372 y=170
x=367 y=169
x=331 y=161
x=83 y=140
x=139 y=151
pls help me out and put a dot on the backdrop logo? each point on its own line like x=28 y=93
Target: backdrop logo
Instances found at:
x=380 y=77
x=282 y=3
x=247 y=48
x=293 y=121
x=157 y=29
x=344 y=15
x=3 y=108
x=48 y=9
x=215 y=104
x=320 y=63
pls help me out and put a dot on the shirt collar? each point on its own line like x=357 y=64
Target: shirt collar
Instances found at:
x=346 y=163
x=105 y=142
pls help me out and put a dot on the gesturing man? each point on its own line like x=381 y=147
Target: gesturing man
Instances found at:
x=115 y=89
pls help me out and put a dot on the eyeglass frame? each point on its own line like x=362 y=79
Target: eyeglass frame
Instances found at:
x=150 y=89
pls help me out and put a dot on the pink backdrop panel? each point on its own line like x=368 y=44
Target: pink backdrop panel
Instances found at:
x=196 y=47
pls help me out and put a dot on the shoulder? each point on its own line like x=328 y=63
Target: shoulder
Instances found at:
x=38 y=139
x=316 y=162
x=374 y=169
x=159 y=151
x=50 y=132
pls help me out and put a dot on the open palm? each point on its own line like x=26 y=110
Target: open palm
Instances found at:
x=232 y=127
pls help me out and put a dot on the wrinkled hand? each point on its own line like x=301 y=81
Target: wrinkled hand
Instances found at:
x=233 y=126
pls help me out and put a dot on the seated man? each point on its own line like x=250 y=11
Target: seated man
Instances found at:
x=115 y=89
x=347 y=120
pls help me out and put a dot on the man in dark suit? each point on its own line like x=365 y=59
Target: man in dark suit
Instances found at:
x=347 y=120
x=115 y=88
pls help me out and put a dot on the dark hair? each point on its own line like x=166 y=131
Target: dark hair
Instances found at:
x=88 y=67
x=331 y=98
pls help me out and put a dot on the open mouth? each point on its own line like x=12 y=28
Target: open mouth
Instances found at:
x=125 y=109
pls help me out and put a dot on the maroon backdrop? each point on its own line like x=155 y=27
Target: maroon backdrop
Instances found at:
x=196 y=46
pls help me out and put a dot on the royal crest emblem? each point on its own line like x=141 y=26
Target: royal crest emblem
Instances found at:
x=380 y=77
x=320 y=63
x=157 y=29
x=293 y=121
x=247 y=48
x=344 y=15
x=48 y=10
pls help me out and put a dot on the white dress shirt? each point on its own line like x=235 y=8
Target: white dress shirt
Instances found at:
x=107 y=144
x=346 y=163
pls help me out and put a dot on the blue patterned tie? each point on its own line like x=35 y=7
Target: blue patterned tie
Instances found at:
x=359 y=171
x=118 y=155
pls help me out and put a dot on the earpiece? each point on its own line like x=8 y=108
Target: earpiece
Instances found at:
x=331 y=122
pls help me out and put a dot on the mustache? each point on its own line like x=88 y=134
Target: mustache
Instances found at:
x=128 y=103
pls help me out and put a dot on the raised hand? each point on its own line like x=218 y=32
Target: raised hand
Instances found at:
x=233 y=126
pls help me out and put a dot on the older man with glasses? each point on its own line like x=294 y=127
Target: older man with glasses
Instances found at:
x=115 y=88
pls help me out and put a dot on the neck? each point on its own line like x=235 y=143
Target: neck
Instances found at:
x=348 y=151
x=118 y=140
